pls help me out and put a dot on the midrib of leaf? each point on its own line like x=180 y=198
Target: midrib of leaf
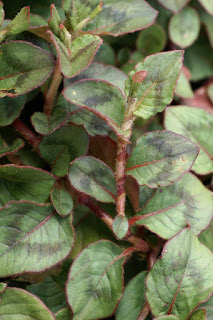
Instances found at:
x=23 y=72
x=25 y=236
x=193 y=136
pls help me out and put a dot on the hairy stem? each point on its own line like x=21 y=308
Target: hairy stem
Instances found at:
x=28 y=135
x=144 y=312
x=53 y=89
x=139 y=244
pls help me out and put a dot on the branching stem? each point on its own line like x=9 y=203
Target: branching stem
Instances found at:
x=53 y=90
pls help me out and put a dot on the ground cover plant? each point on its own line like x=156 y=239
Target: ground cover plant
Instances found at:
x=106 y=155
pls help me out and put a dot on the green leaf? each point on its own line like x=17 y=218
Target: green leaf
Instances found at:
x=174 y=5
x=93 y=177
x=64 y=314
x=24 y=183
x=160 y=158
x=170 y=209
x=3 y=286
x=206 y=237
x=10 y=109
x=62 y=201
x=133 y=299
x=122 y=16
x=170 y=317
x=198 y=315
x=183 y=88
x=1 y=14
x=14 y=147
x=23 y=67
x=184 y=27
x=156 y=90
x=100 y=71
x=18 y=304
x=19 y=24
x=95 y=281
x=120 y=226
x=45 y=125
x=52 y=290
x=181 y=278
x=100 y=97
x=208 y=306
x=90 y=229
x=151 y=40
x=197 y=125
x=62 y=146
x=210 y=92
x=208 y=5
x=34 y=238
x=106 y=55
x=79 y=56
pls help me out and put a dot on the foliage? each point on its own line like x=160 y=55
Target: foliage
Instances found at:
x=100 y=215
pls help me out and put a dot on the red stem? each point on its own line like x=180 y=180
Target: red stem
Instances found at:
x=28 y=135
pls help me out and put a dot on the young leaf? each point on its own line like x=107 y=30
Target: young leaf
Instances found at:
x=133 y=299
x=120 y=226
x=169 y=209
x=100 y=97
x=62 y=146
x=1 y=14
x=208 y=5
x=197 y=125
x=156 y=90
x=184 y=27
x=79 y=56
x=62 y=201
x=19 y=24
x=100 y=71
x=34 y=238
x=14 y=147
x=122 y=16
x=10 y=109
x=18 y=304
x=160 y=158
x=151 y=40
x=64 y=314
x=23 y=67
x=174 y=5
x=24 y=183
x=182 y=278
x=95 y=281
x=93 y=177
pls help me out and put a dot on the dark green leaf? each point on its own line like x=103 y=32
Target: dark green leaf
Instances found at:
x=95 y=281
x=120 y=226
x=24 y=183
x=156 y=90
x=52 y=290
x=14 y=147
x=62 y=146
x=206 y=237
x=151 y=40
x=169 y=209
x=46 y=125
x=19 y=24
x=64 y=314
x=62 y=201
x=23 y=67
x=10 y=109
x=207 y=20
x=122 y=16
x=174 y=5
x=181 y=278
x=184 y=27
x=198 y=315
x=171 y=317
x=34 y=238
x=1 y=14
x=105 y=54
x=160 y=158
x=79 y=56
x=93 y=177
x=18 y=304
x=197 y=125
x=133 y=299
x=100 y=97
